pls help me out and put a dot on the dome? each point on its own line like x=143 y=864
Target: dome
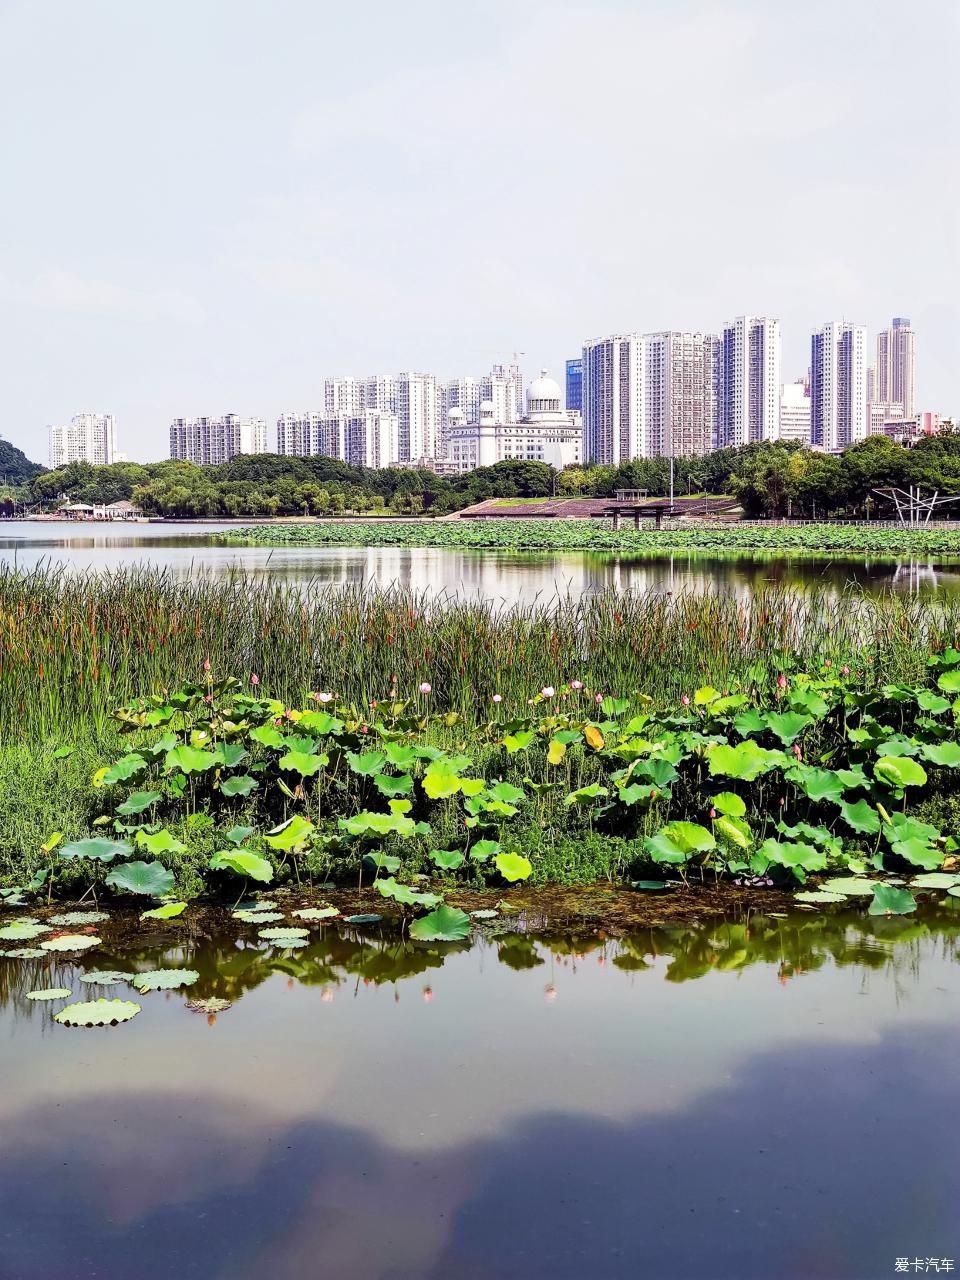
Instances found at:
x=486 y=406
x=455 y=415
x=543 y=388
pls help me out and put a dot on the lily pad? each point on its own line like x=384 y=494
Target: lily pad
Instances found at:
x=169 y=911
x=934 y=880
x=97 y=1013
x=849 y=886
x=79 y=917
x=50 y=993
x=317 y=913
x=370 y=917
x=164 y=979
x=285 y=935
x=649 y=886
x=210 y=1005
x=258 y=917
x=151 y=878
x=893 y=902
x=488 y=914
x=819 y=896
x=242 y=863
x=446 y=924
x=23 y=932
x=513 y=866
x=26 y=953
x=72 y=942
x=99 y=849
x=106 y=977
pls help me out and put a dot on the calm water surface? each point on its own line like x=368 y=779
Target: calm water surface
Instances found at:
x=756 y=1097
x=497 y=575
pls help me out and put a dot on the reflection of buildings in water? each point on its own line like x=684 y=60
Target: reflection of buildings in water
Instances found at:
x=913 y=575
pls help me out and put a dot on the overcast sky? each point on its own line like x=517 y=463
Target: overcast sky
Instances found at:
x=209 y=206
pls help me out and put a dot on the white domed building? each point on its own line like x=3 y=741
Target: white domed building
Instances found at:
x=546 y=433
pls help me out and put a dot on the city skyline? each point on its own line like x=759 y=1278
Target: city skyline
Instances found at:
x=463 y=199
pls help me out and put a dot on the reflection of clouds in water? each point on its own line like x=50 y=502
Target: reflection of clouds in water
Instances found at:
x=510 y=577
x=816 y=1160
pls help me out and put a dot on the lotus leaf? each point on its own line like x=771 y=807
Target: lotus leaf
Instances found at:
x=150 y=878
x=242 y=863
x=189 y=760
x=138 y=802
x=277 y=934
x=506 y=792
x=79 y=917
x=212 y=1004
x=124 y=769
x=317 y=913
x=746 y=760
x=919 y=852
x=405 y=895
x=367 y=765
x=949 y=682
x=735 y=830
x=169 y=911
x=888 y=901
x=242 y=785
x=677 y=842
x=819 y=896
x=485 y=914
x=439 y=786
x=730 y=804
x=382 y=861
x=394 y=786
x=99 y=849
x=787 y=725
x=106 y=977
x=934 y=880
x=305 y=763
x=586 y=795
x=97 y=1013
x=230 y=754
x=900 y=772
x=818 y=784
x=483 y=849
x=849 y=886
x=446 y=924
x=26 y=953
x=160 y=842
x=23 y=932
x=258 y=917
x=237 y=835
x=50 y=993
x=513 y=866
x=72 y=942
x=164 y=979
x=446 y=859
x=945 y=754
x=369 y=917
x=860 y=816
x=518 y=741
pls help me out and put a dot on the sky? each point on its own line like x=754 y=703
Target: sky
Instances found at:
x=209 y=206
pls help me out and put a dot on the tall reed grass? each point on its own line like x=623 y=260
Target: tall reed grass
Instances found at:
x=73 y=646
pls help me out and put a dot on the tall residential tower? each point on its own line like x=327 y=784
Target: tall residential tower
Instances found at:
x=838 y=385
x=748 y=381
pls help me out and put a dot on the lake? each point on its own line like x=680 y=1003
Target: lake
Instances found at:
x=495 y=575
x=751 y=1097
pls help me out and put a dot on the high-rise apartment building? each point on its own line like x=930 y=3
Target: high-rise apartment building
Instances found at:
x=370 y=438
x=795 y=412
x=748 y=381
x=343 y=395
x=212 y=441
x=838 y=385
x=679 y=374
x=300 y=434
x=462 y=394
x=380 y=392
x=574 y=389
x=613 y=409
x=421 y=433
x=90 y=437
x=503 y=386
x=893 y=375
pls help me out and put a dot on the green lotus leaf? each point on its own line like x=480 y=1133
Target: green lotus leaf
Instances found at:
x=23 y=932
x=106 y=977
x=586 y=795
x=317 y=913
x=390 y=786
x=211 y=1004
x=160 y=842
x=899 y=772
x=485 y=914
x=151 y=878
x=649 y=886
x=164 y=979
x=237 y=835
x=677 y=842
x=405 y=895
x=321 y=723
x=446 y=924
x=169 y=911
x=367 y=765
x=518 y=741
x=819 y=896
x=138 y=802
x=934 y=880
x=860 y=816
x=817 y=784
x=949 y=682
x=97 y=1013
x=483 y=849
x=849 y=886
x=239 y=786
x=746 y=760
x=189 y=760
x=50 y=993
x=305 y=763
x=439 y=786
x=27 y=953
x=258 y=917
x=919 y=852
x=242 y=863
x=513 y=866
x=787 y=725
x=735 y=830
x=369 y=917
x=296 y=831
x=794 y=854
x=72 y=942
x=379 y=861
x=124 y=769
x=729 y=804
x=447 y=859
x=932 y=703
x=377 y=824
x=888 y=901
x=99 y=849
x=507 y=793
x=79 y=917
x=945 y=754
x=278 y=934
x=230 y=754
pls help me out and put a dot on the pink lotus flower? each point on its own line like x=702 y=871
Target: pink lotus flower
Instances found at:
x=598 y=699
x=497 y=697
x=364 y=729
x=713 y=814
x=781 y=681
x=844 y=670
x=827 y=662
x=254 y=679
x=796 y=751
x=576 y=684
x=685 y=700
x=324 y=697
x=425 y=687
x=206 y=664
x=548 y=691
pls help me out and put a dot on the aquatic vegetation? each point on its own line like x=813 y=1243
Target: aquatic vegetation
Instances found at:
x=164 y=979
x=50 y=993
x=97 y=1013
x=508 y=534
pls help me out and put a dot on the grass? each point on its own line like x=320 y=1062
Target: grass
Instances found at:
x=592 y=535
x=72 y=647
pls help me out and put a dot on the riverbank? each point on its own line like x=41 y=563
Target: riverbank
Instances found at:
x=506 y=534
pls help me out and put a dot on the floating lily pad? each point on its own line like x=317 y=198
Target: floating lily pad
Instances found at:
x=72 y=942
x=211 y=1005
x=25 y=953
x=97 y=1013
x=484 y=915
x=164 y=979
x=258 y=917
x=288 y=935
x=106 y=977
x=849 y=886
x=18 y=932
x=649 y=886
x=446 y=924
x=934 y=880
x=892 y=902
x=169 y=911
x=50 y=993
x=79 y=917
x=317 y=913
x=819 y=896
x=370 y=918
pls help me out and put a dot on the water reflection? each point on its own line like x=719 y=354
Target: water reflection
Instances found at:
x=755 y=1097
x=509 y=576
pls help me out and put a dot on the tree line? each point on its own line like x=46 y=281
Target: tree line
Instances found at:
x=769 y=480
